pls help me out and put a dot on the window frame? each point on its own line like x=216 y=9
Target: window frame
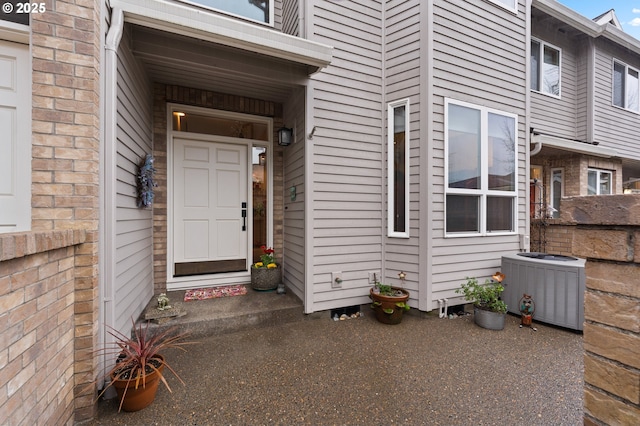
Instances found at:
x=391 y=187
x=598 y=173
x=540 y=90
x=552 y=194
x=503 y=4
x=624 y=93
x=484 y=192
x=229 y=13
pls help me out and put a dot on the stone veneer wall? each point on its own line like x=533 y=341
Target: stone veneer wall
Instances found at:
x=607 y=233
x=37 y=326
x=220 y=101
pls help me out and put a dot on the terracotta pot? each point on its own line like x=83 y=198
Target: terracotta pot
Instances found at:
x=137 y=399
x=265 y=279
x=388 y=302
x=488 y=319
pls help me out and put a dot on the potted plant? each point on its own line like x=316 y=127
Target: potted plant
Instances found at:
x=489 y=310
x=265 y=275
x=389 y=303
x=139 y=366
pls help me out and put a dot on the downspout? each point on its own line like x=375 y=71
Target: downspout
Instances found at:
x=114 y=35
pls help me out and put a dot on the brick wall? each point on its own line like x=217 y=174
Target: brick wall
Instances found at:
x=606 y=231
x=37 y=284
x=219 y=101
x=65 y=45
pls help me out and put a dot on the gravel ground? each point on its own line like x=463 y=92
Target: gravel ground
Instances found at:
x=424 y=371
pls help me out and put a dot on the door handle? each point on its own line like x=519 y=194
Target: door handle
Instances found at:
x=244 y=216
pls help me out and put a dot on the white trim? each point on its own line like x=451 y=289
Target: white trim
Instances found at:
x=624 y=95
x=179 y=18
x=181 y=283
x=483 y=192
x=540 y=71
x=11 y=31
x=573 y=146
x=391 y=170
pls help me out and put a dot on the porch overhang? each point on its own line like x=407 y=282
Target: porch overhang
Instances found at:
x=570 y=145
x=191 y=21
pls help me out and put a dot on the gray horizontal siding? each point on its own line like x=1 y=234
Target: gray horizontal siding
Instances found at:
x=614 y=127
x=347 y=151
x=479 y=57
x=133 y=239
x=558 y=116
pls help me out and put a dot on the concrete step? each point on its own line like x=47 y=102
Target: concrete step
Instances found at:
x=230 y=314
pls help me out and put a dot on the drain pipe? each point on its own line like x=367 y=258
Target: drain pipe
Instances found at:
x=538 y=144
x=114 y=35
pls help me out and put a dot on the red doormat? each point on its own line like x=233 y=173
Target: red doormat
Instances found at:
x=213 y=292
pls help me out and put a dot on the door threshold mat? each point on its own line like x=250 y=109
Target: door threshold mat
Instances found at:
x=214 y=292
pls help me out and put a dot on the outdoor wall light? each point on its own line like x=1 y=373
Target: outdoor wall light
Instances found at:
x=285 y=136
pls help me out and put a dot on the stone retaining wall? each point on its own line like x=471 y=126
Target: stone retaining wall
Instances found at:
x=606 y=231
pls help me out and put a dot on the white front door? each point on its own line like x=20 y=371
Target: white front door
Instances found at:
x=210 y=209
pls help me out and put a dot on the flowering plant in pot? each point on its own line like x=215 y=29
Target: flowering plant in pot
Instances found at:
x=265 y=275
x=389 y=302
x=139 y=366
x=488 y=307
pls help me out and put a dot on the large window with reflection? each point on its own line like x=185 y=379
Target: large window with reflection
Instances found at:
x=480 y=170
x=255 y=10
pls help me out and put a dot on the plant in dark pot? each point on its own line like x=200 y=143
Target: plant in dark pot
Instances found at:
x=389 y=302
x=488 y=308
x=265 y=275
x=139 y=366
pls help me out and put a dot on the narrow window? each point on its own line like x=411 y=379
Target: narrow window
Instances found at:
x=398 y=168
x=599 y=182
x=481 y=159
x=625 y=87
x=545 y=68
x=557 y=187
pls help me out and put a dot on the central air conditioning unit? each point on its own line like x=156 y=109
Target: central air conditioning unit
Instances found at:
x=555 y=282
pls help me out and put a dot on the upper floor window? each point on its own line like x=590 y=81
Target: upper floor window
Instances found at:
x=480 y=170
x=256 y=10
x=509 y=4
x=545 y=68
x=398 y=168
x=599 y=182
x=626 y=87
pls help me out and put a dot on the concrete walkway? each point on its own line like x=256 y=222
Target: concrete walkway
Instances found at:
x=424 y=371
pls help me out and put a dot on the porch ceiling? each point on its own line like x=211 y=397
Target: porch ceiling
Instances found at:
x=185 y=61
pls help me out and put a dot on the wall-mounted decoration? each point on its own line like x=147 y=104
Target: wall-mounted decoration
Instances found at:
x=146 y=182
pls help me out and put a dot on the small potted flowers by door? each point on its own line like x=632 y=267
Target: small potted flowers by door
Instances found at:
x=265 y=275
x=488 y=309
x=389 y=303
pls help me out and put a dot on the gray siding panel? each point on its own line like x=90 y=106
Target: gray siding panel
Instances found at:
x=347 y=151
x=133 y=240
x=550 y=114
x=614 y=127
x=479 y=57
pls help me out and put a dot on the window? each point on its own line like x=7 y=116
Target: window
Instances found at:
x=545 y=68
x=599 y=182
x=626 y=87
x=398 y=168
x=480 y=170
x=256 y=10
x=508 y=4
x=557 y=188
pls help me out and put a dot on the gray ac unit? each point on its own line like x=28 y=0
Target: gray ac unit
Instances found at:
x=556 y=283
